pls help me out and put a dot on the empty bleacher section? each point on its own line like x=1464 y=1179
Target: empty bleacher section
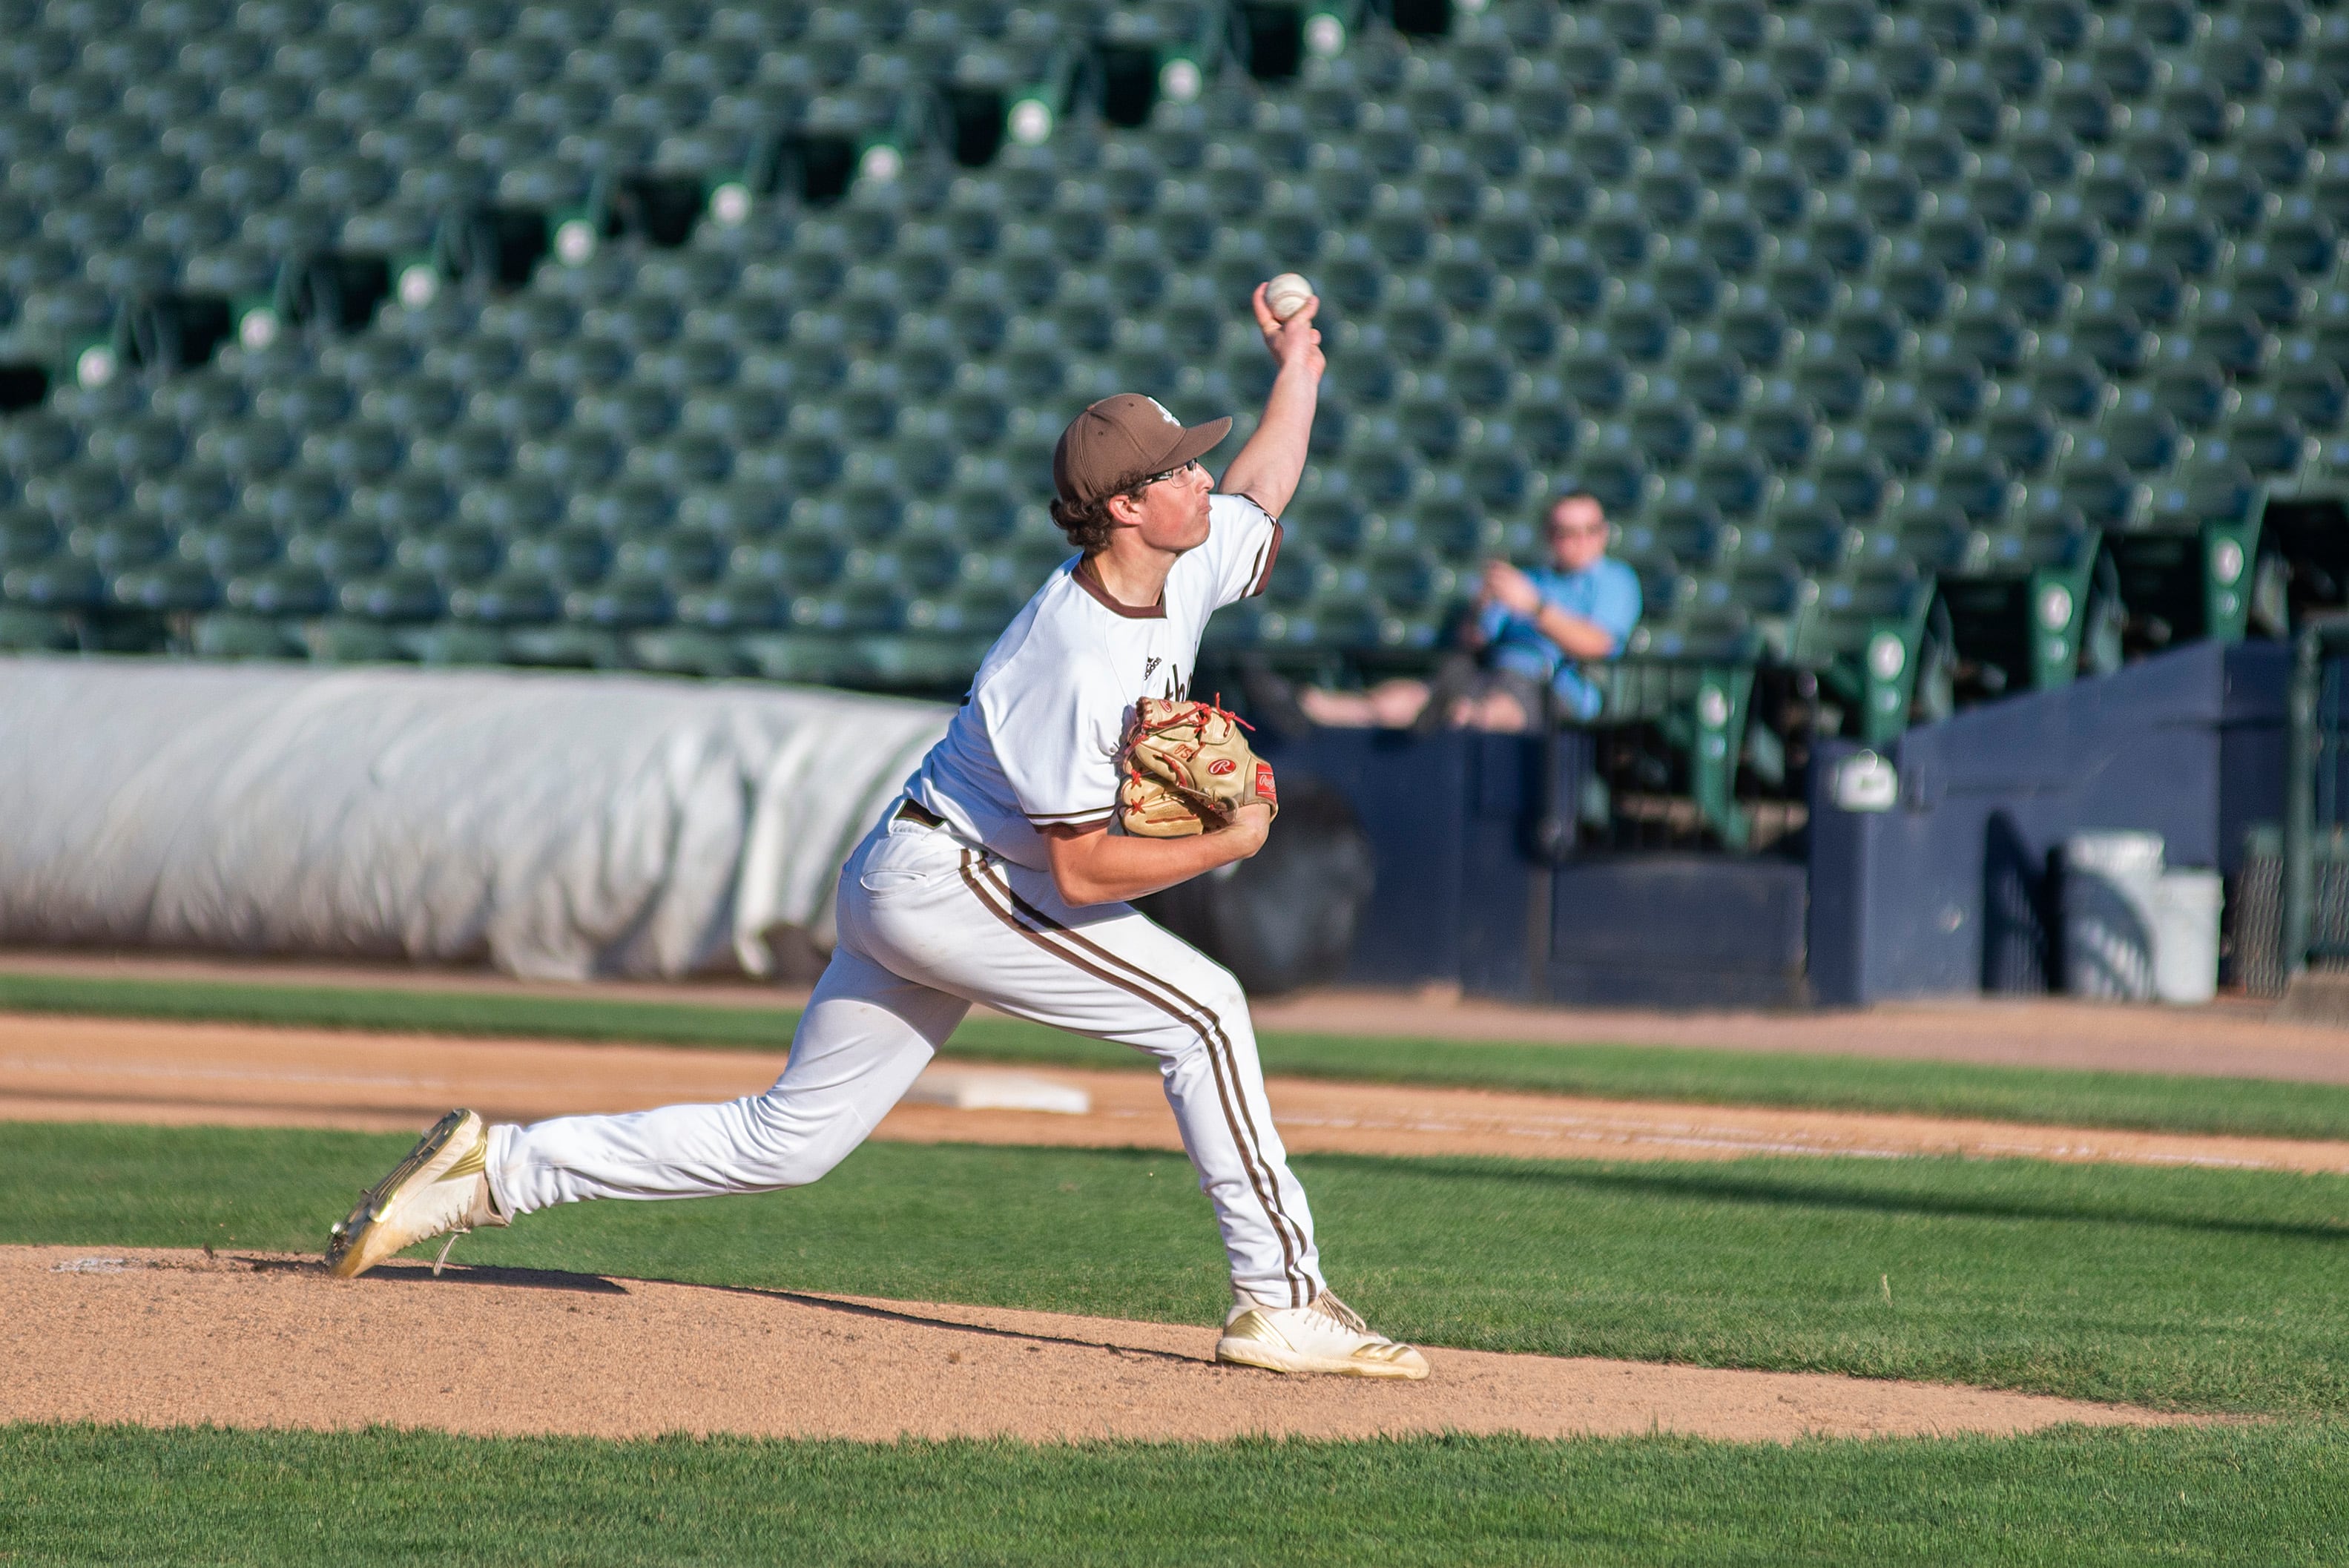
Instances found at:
x=1923 y=351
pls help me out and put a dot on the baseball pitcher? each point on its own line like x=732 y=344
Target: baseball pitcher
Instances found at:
x=1077 y=776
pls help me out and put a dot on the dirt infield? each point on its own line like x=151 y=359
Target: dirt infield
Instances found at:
x=270 y=1341
x=68 y=1068
x=2233 y=1038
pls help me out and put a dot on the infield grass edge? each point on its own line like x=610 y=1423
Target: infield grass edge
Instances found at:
x=2152 y=1102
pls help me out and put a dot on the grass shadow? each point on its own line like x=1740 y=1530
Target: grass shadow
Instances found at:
x=1738 y=1183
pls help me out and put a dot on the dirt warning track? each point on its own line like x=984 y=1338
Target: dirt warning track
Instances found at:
x=271 y=1341
x=71 y=1068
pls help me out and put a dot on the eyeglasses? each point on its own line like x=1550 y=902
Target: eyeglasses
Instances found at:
x=1170 y=474
x=1589 y=530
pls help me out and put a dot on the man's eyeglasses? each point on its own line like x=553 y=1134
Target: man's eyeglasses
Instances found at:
x=1169 y=474
x=1588 y=530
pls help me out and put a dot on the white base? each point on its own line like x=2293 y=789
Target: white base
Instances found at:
x=982 y=1089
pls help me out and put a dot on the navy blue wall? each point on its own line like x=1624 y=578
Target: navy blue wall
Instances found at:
x=1678 y=931
x=2252 y=743
x=1460 y=899
x=1919 y=900
x=1448 y=816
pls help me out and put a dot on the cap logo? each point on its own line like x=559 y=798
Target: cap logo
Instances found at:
x=1163 y=413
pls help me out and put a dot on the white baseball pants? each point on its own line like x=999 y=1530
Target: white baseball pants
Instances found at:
x=928 y=926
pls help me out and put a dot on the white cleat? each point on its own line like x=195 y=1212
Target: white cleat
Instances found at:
x=1326 y=1336
x=441 y=1188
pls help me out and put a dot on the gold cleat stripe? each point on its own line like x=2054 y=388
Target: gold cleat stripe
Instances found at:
x=1253 y=1324
x=474 y=1161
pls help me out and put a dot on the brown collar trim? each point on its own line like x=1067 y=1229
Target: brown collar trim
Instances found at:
x=1091 y=585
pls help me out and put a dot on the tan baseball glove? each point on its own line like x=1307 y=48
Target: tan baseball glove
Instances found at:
x=1186 y=765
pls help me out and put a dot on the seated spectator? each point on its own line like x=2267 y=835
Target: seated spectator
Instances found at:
x=1527 y=631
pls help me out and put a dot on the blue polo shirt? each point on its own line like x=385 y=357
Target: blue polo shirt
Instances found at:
x=1606 y=594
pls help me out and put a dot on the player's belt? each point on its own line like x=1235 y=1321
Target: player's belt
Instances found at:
x=911 y=810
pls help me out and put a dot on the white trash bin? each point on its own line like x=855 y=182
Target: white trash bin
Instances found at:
x=2111 y=892
x=2186 y=936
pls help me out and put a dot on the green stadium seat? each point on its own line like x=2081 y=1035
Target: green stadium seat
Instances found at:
x=2273 y=295
x=2237 y=341
x=2199 y=106
x=2023 y=437
x=85 y=492
x=2072 y=387
x=27 y=534
x=2090 y=492
x=234 y=268
x=168 y=587
x=2313 y=391
x=575 y=458
x=357 y=451
x=186 y=226
x=1857 y=485
x=91 y=223
x=2036 y=291
x=309 y=502
x=2311 y=103
x=35 y=442
x=455 y=556
x=421 y=404
x=402 y=596
x=735 y=604
x=513 y=506
x=624 y=508
x=1831 y=382
x=1667 y=430
x=59 y=582
x=110 y=539
x=2305 y=239
x=190 y=496
x=573 y=556
x=139 y=445
x=1688 y=534
x=36 y=52
x=409 y=505
x=2112 y=336
x=1785 y=430
x=686 y=459
x=1953 y=383
x=2267 y=439
x=1909 y=439
x=231 y=546
x=680 y=557
x=2146 y=443
x=1715 y=380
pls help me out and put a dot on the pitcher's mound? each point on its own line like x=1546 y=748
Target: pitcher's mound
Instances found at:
x=250 y=1340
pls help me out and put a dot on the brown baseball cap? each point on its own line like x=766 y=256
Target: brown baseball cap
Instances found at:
x=1121 y=440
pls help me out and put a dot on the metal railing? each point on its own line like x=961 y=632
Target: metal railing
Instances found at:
x=2314 y=788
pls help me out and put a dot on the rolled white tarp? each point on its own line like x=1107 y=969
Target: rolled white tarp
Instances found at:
x=558 y=825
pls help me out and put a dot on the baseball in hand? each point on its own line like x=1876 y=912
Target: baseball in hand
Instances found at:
x=1286 y=295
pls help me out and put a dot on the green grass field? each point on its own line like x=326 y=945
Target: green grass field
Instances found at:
x=2187 y=1289
x=2180 y=1289
x=2194 y=1290
x=2248 y=1106
x=2268 y=1495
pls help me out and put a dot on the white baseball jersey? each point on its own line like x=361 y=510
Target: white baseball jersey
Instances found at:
x=1036 y=742
x=933 y=919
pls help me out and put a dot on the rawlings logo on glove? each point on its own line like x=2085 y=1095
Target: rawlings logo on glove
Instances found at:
x=1186 y=765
